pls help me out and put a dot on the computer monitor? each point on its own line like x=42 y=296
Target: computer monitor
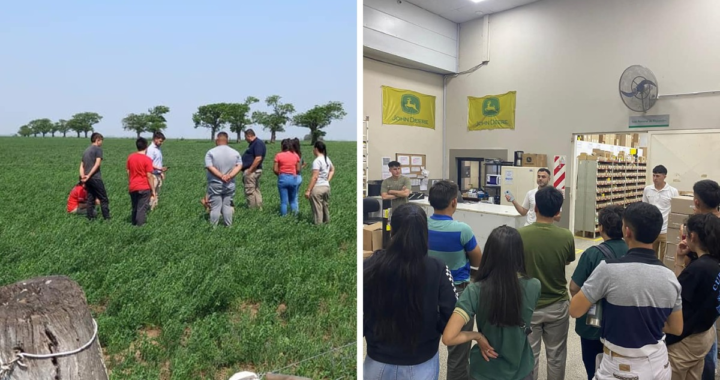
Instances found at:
x=492 y=180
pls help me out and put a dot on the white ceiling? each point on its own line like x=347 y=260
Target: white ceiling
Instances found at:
x=459 y=11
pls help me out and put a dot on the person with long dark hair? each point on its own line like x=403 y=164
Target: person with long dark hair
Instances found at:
x=502 y=300
x=286 y=167
x=318 y=191
x=408 y=299
x=699 y=282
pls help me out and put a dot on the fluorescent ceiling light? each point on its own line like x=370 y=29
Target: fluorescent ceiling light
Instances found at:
x=476 y=1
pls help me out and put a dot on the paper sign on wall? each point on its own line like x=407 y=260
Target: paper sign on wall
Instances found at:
x=404 y=160
x=508 y=177
x=405 y=170
x=417 y=161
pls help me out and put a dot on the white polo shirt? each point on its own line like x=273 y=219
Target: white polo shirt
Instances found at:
x=154 y=152
x=661 y=200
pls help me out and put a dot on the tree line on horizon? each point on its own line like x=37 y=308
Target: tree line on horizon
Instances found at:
x=214 y=116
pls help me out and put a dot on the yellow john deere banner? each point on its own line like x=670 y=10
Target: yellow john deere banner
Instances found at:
x=491 y=112
x=404 y=107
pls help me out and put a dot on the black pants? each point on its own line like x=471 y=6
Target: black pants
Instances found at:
x=140 y=201
x=590 y=350
x=96 y=190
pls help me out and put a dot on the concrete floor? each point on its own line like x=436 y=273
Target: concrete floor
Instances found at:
x=574 y=368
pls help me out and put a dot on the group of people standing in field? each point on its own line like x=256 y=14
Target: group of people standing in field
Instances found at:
x=146 y=174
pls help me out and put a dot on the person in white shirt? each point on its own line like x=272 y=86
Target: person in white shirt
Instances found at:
x=154 y=152
x=318 y=191
x=528 y=205
x=659 y=195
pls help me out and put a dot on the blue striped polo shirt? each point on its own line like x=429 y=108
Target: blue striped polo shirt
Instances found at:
x=638 y=294
x=449 y=240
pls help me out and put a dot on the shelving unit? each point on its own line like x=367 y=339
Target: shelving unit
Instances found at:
x=603 y=183
x=493 y=167
x=366 y=132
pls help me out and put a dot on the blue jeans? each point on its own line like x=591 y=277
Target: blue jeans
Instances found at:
x=429 y=370
x=287 y=186
x=297 y=187
x=711 y=361
x=590 y=350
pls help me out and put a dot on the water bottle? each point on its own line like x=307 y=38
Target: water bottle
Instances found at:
x=594 y=315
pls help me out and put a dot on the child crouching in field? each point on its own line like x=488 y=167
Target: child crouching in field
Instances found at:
x=77 y=200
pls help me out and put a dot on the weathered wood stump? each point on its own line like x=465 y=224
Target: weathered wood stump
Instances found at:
x=49 y=315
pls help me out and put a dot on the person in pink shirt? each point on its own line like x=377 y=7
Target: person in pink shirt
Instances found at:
x=286 y=167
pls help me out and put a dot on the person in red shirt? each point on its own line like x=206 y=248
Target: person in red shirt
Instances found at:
x=140 y=180
x=76 y=203
x=286 y=167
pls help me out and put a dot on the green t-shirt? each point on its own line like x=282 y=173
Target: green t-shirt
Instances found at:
x=548 y=249
x=589 y=260
x=515 y=357
x=392 y=184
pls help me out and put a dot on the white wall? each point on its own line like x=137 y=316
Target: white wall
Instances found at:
x=387 y=140
x=410 y=32
x=565 y=57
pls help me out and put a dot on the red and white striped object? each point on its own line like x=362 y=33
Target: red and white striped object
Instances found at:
x=559 y=173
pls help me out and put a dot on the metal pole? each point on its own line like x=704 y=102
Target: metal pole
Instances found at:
x=690 y=94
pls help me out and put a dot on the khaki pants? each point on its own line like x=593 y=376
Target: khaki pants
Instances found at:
x=319 y=197
x=660 y=246
x=550 y=325
x=157 y=184
x=687 y=357
x=252 y=189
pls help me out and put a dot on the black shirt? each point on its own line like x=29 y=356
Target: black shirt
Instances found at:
x=700 y=284
x=256 y=148
x=438 y=305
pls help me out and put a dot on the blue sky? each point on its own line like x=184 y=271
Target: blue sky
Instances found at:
x=58 y=58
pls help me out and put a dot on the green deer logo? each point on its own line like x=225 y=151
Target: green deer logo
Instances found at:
x=410 y=104
x=491 y=107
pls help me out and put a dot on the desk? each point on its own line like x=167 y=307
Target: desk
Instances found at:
x=481 y=217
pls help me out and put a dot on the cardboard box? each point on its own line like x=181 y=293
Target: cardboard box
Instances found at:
x=682 y=205
x=534 y=160
x=673 y=236
x=372 y=237
x=675 y=220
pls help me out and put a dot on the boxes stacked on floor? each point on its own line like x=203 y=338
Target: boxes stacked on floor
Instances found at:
x=680 y=208
x=372 y=239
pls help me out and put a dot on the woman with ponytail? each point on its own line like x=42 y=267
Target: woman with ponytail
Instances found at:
x=699 y=281
x=318 y=191
x=408 y=298
x=502 y=300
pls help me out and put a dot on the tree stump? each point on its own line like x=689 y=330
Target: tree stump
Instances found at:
x=49 y=315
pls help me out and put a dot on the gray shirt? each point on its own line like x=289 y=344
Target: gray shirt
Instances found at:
x=88 y=159
x=224 y=159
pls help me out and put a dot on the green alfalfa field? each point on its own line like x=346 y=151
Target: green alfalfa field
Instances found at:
x=177 y=299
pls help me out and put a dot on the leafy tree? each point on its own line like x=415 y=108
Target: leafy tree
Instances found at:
x=236 y=115
x=210 y=116
x=136 y=122
x=318 y=118
x=62 y=127
x=25 y=131
x=84 y=122
x=156 y=119
x=42 y=126
x=274 y=121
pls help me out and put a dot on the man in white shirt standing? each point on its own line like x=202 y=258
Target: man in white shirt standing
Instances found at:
x=659 y=195
x=528 y=205
x=154 y=152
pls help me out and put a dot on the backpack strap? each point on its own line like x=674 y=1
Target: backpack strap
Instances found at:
x=606 y=251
